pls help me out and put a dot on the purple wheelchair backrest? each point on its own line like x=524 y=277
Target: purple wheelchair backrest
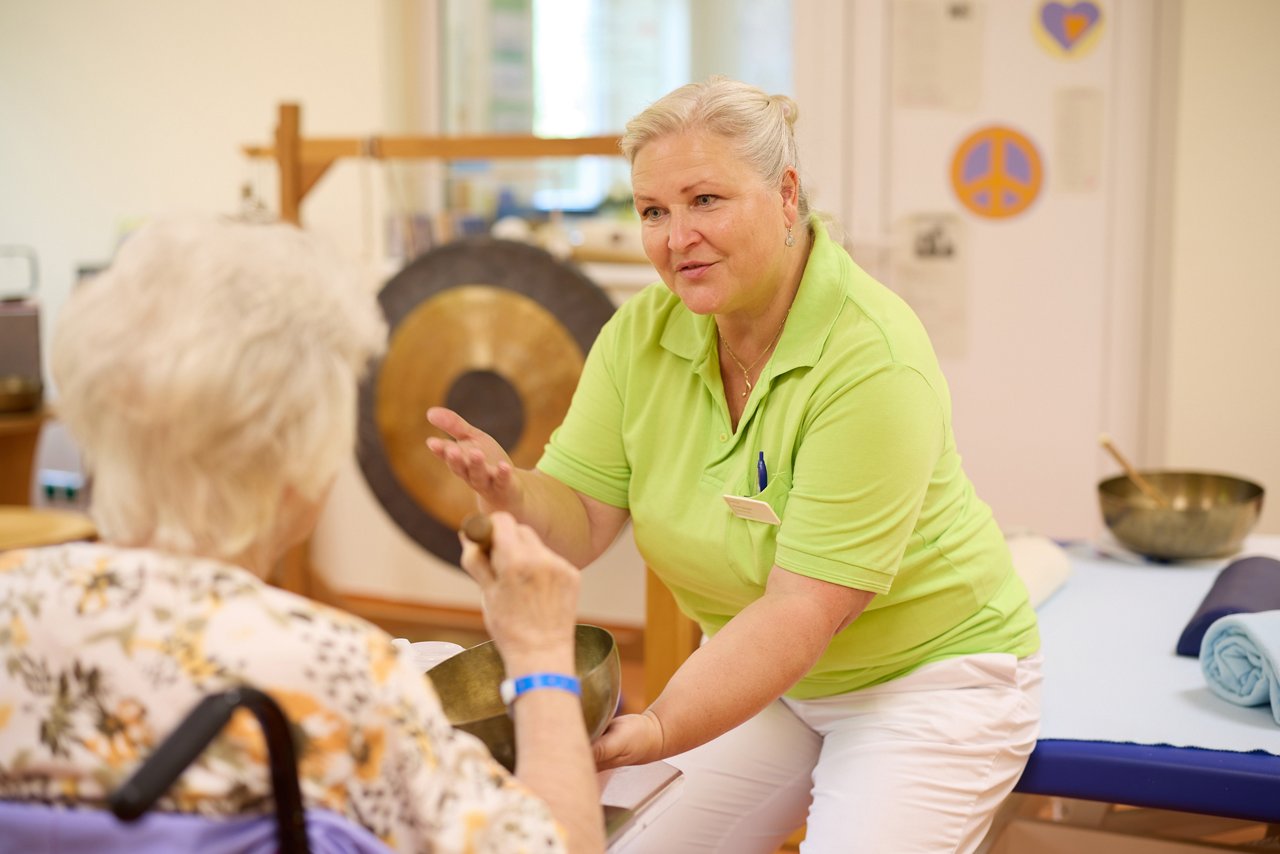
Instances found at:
x=34 y=828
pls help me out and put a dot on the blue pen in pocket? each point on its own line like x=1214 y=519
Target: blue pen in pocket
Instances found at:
x=762 y=473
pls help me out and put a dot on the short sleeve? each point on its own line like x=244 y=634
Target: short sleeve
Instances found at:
x=586 y=452
x=861 y=473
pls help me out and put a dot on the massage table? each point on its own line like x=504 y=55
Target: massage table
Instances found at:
x=1127 y=721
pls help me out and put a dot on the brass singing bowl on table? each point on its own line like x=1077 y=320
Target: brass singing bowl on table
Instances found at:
x=1208 y=515
x=468 y=687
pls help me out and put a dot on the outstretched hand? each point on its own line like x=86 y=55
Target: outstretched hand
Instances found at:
x=477 y=459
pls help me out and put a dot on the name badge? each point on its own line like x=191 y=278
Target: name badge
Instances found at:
x=752 y=508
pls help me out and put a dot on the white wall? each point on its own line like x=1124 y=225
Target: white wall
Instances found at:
x=113 y=112
x=1223 y=385
x=1035 y=318
x=1158 y=323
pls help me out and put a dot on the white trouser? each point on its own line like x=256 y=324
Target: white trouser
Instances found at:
x=919 y=764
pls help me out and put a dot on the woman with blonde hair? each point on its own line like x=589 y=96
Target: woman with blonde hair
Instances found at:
x=209 y=376
x=775 y=425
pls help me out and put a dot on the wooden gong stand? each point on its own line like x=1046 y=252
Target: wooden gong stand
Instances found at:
x=669 y=636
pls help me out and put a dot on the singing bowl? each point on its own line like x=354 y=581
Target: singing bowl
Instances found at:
x=468 y=687
x=1208 y=515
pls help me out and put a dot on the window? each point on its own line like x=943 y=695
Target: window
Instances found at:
x=582 y=68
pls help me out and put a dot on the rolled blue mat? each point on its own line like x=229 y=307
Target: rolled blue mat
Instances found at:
x=1242 y=587
x=1240 y=658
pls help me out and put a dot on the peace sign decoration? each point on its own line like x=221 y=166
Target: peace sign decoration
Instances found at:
x=996 y=172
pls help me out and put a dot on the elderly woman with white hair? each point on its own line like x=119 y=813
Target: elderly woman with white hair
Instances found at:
x=209 y=377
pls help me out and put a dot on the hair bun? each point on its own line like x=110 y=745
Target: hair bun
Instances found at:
x=790 y=111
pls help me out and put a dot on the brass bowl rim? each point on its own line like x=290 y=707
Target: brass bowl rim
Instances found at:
x=1105 y=486
x=489 y=647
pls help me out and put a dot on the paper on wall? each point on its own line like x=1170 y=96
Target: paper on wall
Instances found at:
x=1077 y=140
x=929 y=269
x=937 y=53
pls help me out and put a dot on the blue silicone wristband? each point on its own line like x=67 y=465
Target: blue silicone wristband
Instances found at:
x=512 y=689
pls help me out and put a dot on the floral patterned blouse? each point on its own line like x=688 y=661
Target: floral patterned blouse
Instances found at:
x=103 y=651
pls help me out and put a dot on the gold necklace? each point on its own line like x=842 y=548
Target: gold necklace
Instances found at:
x=746 y=371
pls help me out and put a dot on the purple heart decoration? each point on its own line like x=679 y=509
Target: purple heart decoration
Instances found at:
x=1068 y=23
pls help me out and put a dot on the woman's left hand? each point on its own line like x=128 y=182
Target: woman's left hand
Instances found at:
x=629 y=740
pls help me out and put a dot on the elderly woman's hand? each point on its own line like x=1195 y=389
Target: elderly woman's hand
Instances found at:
x=477 y=459
x=530 y=597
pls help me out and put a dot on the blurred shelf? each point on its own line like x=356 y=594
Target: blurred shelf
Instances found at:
x=19 y=432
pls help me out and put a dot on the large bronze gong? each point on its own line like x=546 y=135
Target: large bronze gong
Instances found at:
x=493 y=329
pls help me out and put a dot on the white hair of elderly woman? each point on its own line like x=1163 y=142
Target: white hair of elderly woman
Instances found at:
x=211 y=369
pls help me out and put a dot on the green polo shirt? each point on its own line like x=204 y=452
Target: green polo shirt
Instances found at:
x=854 y=419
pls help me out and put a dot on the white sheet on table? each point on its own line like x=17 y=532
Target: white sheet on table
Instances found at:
x=1111 y=673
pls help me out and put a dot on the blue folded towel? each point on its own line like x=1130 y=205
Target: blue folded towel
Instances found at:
x=1244 y=586
x=1240 y=658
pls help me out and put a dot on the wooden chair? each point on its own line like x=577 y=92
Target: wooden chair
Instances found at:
x=669 y=636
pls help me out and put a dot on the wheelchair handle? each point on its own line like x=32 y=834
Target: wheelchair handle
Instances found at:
x=167 y=762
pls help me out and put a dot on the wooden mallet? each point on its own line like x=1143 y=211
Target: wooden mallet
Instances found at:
x=479 y=530
x=1148 y=489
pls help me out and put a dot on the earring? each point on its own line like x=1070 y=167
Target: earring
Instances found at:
x=791 y=238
